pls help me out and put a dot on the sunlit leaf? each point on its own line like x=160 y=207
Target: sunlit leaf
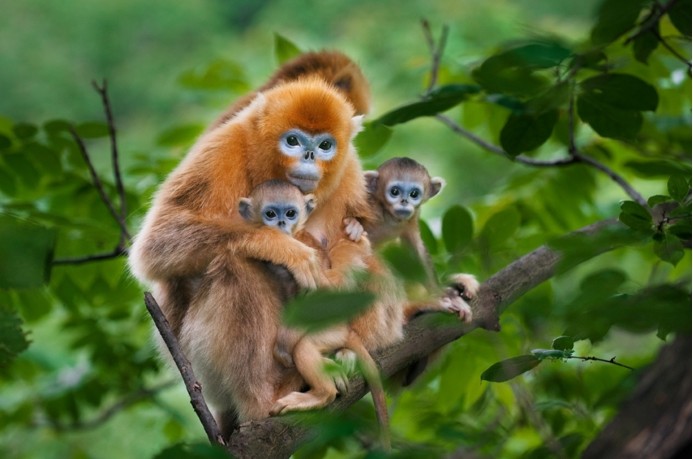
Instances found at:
x=439 y=101
x=458 y=228
x=12 y=338
x=508 y=369
x=284 y=49
x=372 y=139
x=615 y=17
x=322 y=308
x=526 y=132
x=26 y=251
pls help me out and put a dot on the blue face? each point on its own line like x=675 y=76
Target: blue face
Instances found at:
x=404 y=197
x=309 y=150
x=281 y=216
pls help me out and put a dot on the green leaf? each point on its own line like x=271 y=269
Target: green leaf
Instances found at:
x=657 y=168
x=615 y=17
x=183 y=135
x=405 y=262
x=669 y=248
x=193 y=451
x=438 y=101
x=457 y=228
x=372 y=139
x=525 y=132
x=92 y=130
x=24 y=130
x=54 y=127
x=678 y=186
x=680 y=16
x=5 y=142
x=543 y=354
x=500 y=227
x=26 y=251
x=563 y=343
x=12 y=338
x=284 y=49
x=508 y=369
x=428 y=238
x=621 y=90
x=635 y=216
x=607 y=120
x=323 y=308
x=603 y=283
x=645 y=44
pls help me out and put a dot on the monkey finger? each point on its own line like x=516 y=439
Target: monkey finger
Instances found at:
x=347 y=358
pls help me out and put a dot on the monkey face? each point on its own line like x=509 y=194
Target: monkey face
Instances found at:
x=404 y=197
x=282 y=216
x=308 y=152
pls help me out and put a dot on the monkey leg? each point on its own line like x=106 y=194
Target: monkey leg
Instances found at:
x=309 y=363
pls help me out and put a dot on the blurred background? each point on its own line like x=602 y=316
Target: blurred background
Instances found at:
x=90 y=384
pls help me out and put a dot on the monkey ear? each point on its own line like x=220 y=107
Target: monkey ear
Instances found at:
x=356 y=125
x=310 y=203
x=437 y=184
x=371 y=181
x=245 y=208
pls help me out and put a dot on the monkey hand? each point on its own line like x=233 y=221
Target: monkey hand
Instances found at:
x=353 y=229
x=347 y=362
x=307 y=268
x=465 y=285
x=454 y=303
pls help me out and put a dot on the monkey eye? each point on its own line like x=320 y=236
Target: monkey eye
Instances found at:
x=292 y=141
x=394 y=191
x=325 y=145
x=291 y=213
x=270 y=214
x=415 y=193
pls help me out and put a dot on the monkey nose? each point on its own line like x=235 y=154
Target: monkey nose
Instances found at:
x=309 y=155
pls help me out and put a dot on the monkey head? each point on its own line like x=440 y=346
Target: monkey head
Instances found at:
x=305 y=128
x=277 y=204
x=402 y=185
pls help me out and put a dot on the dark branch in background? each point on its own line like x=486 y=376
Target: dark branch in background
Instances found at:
x=575 y=155
x=191 y=384
x=280 y=437
x=115 y=161
x=597 y=359
x=436 y=52
x=124 y=403
x=118 y=216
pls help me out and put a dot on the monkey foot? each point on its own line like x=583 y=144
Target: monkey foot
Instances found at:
x=466 y=285
x=300 y=401
x=457 y=305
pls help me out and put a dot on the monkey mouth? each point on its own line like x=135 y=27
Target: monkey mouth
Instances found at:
x=403 y=214
x=305 y=183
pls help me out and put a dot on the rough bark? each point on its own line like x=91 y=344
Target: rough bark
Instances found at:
x=276 y=438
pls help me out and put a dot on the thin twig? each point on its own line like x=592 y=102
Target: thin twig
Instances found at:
x=436 y=52
x=597 y=359
x=97 y=182
x=669 y=48
x=103 y=92
x=193 y=386
x=119 y=251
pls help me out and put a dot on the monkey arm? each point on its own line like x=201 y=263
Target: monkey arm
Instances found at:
x=412 y=238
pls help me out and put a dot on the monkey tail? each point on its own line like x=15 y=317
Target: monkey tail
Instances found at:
x=372 y=376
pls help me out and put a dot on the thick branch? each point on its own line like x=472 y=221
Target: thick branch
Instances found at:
x=191 y=384
x=280 y=437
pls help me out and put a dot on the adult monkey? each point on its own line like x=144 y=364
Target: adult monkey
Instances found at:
x=225 y=311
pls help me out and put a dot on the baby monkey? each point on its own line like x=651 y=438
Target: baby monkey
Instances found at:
x=397 y=189
x=281 y=205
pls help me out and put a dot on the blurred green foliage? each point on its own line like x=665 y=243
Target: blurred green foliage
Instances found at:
x=535 y=79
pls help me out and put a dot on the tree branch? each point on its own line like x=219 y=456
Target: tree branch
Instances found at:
x=436 y=52
x=191 y=384
x=279 y=437
x=119 y=251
